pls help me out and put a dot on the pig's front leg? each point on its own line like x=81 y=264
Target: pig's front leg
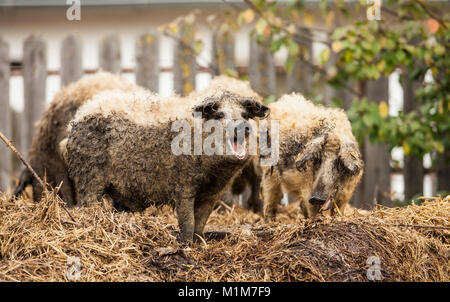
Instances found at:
x=186 y=219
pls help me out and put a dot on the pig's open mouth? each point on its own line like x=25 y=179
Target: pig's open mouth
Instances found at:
x=238 y=148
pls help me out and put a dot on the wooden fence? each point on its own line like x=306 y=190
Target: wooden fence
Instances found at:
x=265 y=78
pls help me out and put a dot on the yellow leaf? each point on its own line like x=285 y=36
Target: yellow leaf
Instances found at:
x=406 y=148
x=249 y=15
x=336 y=46
x=434 y=71
x=149 y=39
x=329 y=18
x=309 y=18
x=267 y=31
x=277 y=22
x=260 y=26
x=188 y=88
x=295 y=15
x=174 y=28
x=291 y=28
x=383 y=109
x=189 y=19
x=381 y=65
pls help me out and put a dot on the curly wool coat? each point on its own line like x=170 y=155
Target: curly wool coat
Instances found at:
x=44 y=154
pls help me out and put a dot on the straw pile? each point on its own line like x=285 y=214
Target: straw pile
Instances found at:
x=36 y=241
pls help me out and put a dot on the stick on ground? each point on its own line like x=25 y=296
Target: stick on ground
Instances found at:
x=10 y=145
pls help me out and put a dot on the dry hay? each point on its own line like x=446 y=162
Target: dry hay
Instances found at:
x=36 y=241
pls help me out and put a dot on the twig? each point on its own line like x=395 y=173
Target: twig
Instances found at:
x=63 y=206
x=422 y=226
x=336 y=206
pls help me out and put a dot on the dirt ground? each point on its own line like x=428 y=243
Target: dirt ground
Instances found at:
x=46 y=242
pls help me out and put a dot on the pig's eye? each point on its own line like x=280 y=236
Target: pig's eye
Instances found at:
x=219 y=115
x=245 y=116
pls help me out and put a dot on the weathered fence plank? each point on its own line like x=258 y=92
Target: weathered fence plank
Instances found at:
x=332 y=93
x=184 y=63
x=147 y=61
x=413 y=171
x=5 y=122
x=376 y=181
x=71 y=60
x=261 y=68
x=109 y=54
x=34 y=80
x=223 y=53
x=17 y=139
x=443 y=172
x=300 y=79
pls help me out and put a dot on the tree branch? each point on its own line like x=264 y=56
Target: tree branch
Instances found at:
x=295 y=35
x=430 y=13
x=212 y=69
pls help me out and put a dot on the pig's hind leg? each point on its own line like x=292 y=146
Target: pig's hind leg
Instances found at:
x=271 y=194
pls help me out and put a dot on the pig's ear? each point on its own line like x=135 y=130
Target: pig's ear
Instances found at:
x=350 y=158
x=311 y=151
x=207 y=108
x=256 y=108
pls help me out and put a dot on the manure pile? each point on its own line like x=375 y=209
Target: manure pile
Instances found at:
x=38 y=242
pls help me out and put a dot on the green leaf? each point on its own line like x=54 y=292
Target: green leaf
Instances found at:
x=198 y=46
x=270 y=99
x=324 y=56
x=289 y=64
x=276 y=45
x=293 y=49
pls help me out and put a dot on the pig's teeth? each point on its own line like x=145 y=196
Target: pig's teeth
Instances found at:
x=326 y=206
x=240 y=154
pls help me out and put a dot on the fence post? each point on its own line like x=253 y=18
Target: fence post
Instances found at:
x=5 y=122
x=376 y=180
x=109 y=54
x=223 y=52
x=261 y=68
x=147 y=61
x=184 y=63
x=301 y=77
x=34 y=80
x=71 y=60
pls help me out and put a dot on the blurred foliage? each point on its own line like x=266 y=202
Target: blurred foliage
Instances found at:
x=412 y=36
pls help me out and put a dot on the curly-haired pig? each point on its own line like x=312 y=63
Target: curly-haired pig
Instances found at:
x=121 y=144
